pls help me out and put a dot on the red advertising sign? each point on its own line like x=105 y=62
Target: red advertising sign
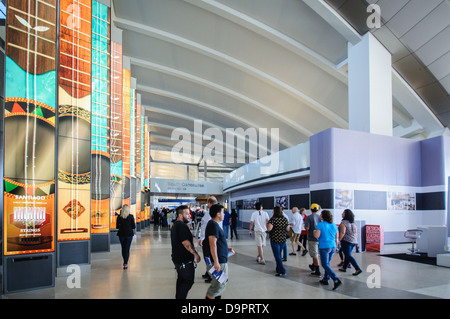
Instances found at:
x=374 y=238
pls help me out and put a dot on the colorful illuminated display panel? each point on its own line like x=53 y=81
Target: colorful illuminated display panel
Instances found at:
x=103 y=144
x=126 y=138
x=30 y=99
x=146 y=178
x=100 y=129
x=134 y=158
x=74 y=116
x=141 y=160
x=132 y=117
x=116 y=132
x=147 y=155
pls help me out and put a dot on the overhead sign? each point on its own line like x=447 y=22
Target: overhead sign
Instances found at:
x=177 y=200
x=159 y=185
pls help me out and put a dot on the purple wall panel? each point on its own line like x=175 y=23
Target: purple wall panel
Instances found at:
x=321 y=169
x=433 y=161
x=339 y=155
x=447 y=154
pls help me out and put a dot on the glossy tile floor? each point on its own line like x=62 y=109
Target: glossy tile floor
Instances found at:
x=151 y=275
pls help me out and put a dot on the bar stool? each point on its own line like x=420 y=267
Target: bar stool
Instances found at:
x=413 y=234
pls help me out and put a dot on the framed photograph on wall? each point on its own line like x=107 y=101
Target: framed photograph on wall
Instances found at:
x=401 y=201
x=343 y=199
x=250 y=203
x=282 y=201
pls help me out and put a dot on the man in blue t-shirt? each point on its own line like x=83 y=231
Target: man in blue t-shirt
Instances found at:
x=216 y=250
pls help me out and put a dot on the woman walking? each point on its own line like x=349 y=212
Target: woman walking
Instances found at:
x=233 y=223
x=304 y=233
x=278 y=226
x=125 y=224
x=347 y=237
x=327 y=234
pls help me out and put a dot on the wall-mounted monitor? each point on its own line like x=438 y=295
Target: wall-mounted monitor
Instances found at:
x=267 y=202
x=299 y=201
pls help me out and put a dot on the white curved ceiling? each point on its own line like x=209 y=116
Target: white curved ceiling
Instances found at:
x=247 y=64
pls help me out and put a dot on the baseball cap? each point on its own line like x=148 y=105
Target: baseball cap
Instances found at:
x=315 y=207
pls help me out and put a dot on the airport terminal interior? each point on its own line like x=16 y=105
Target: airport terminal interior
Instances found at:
x=110 y=106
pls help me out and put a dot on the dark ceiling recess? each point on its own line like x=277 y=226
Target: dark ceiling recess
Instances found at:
x=354 y=12
x=410 y=67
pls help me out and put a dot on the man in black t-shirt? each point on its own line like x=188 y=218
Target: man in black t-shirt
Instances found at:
x=183 y=252
x=216 y=250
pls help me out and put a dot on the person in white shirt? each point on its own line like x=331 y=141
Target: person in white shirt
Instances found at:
x=205 y=219
x=258 y=221
x=296 y=228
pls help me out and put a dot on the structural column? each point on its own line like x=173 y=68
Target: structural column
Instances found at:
x=116 y=178
x=370 y=87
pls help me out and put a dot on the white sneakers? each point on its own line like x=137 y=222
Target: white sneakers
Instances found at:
x=260 y=261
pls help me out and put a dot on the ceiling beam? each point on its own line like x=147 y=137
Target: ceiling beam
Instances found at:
x=219 y=111
x=200 y=137
x=185 y=117
x=271 y=34
x=409 y=99
x=412 y=130
x=162 y=146
x=335 y=20
x=236 y=95
x=236 y=63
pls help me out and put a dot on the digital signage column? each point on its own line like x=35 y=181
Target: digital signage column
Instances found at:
x=101 y=47
x=74 y=117
x=2 y=108
x=29 y=131
x=116 y=132
x=126 y=137
x=140 y=151
x=132 y=117
x=147 y=155
x=146 y=176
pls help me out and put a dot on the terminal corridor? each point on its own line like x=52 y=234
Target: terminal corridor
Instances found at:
x=151 y=275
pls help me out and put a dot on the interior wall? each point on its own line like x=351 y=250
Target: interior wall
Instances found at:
x=383 y=174
x=394 y=182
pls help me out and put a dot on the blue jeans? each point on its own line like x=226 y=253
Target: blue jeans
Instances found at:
x=277 y=249
x=125 y=242
x=226 y=230
x=325 y=258
x=347 y=249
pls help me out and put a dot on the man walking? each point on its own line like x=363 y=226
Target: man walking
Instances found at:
x=205 y=219
x=313 y=243
x=259 y=220
x=183 y=252
x=216 y=251
x=295 y=230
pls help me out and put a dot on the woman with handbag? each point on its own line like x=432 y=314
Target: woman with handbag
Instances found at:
x=125 y=225
x=348 y=239
x=277 y=227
